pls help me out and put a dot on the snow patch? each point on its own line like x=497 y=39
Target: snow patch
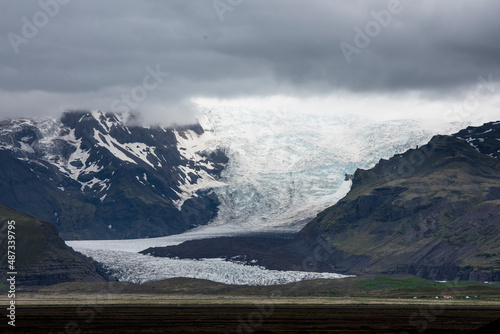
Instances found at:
x=26 y=147
x=111 y=145
x=190 y=145
x=487 y=131
x=188 y=189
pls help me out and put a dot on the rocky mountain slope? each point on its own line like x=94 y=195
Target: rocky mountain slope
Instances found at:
x=41 y=256
x=98 y=176
x=432 y=212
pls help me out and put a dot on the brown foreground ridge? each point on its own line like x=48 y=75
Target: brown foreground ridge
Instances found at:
x=257 y=318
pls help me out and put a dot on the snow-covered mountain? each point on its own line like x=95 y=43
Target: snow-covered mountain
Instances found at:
x=97 y=176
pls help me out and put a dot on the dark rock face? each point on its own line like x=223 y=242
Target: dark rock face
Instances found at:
x=266 y=251
x=96 y=178
x=42 y=257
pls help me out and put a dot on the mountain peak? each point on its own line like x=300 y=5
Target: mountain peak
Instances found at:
x=485 y=138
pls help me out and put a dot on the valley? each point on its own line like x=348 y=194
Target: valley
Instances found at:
x=431 y=212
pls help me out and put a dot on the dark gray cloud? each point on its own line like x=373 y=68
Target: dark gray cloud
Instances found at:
x=92 y=54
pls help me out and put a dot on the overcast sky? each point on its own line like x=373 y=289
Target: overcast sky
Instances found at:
x=375 y=57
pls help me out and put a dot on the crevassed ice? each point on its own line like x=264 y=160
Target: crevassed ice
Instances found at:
x=138 y=268
x=285 y=168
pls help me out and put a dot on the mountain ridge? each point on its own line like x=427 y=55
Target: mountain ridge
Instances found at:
x=95 y=177
x=438 y=219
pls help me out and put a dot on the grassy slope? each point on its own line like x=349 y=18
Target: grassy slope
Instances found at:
x=29 y=234
x=42 y=257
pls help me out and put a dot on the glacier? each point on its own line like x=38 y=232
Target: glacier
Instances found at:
x=138 y=268
x=283 y=169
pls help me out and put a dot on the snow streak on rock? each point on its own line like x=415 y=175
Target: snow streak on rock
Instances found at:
x=191 y=145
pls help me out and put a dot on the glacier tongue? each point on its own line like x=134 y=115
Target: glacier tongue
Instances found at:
x=285 y=168
x=138 y=268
